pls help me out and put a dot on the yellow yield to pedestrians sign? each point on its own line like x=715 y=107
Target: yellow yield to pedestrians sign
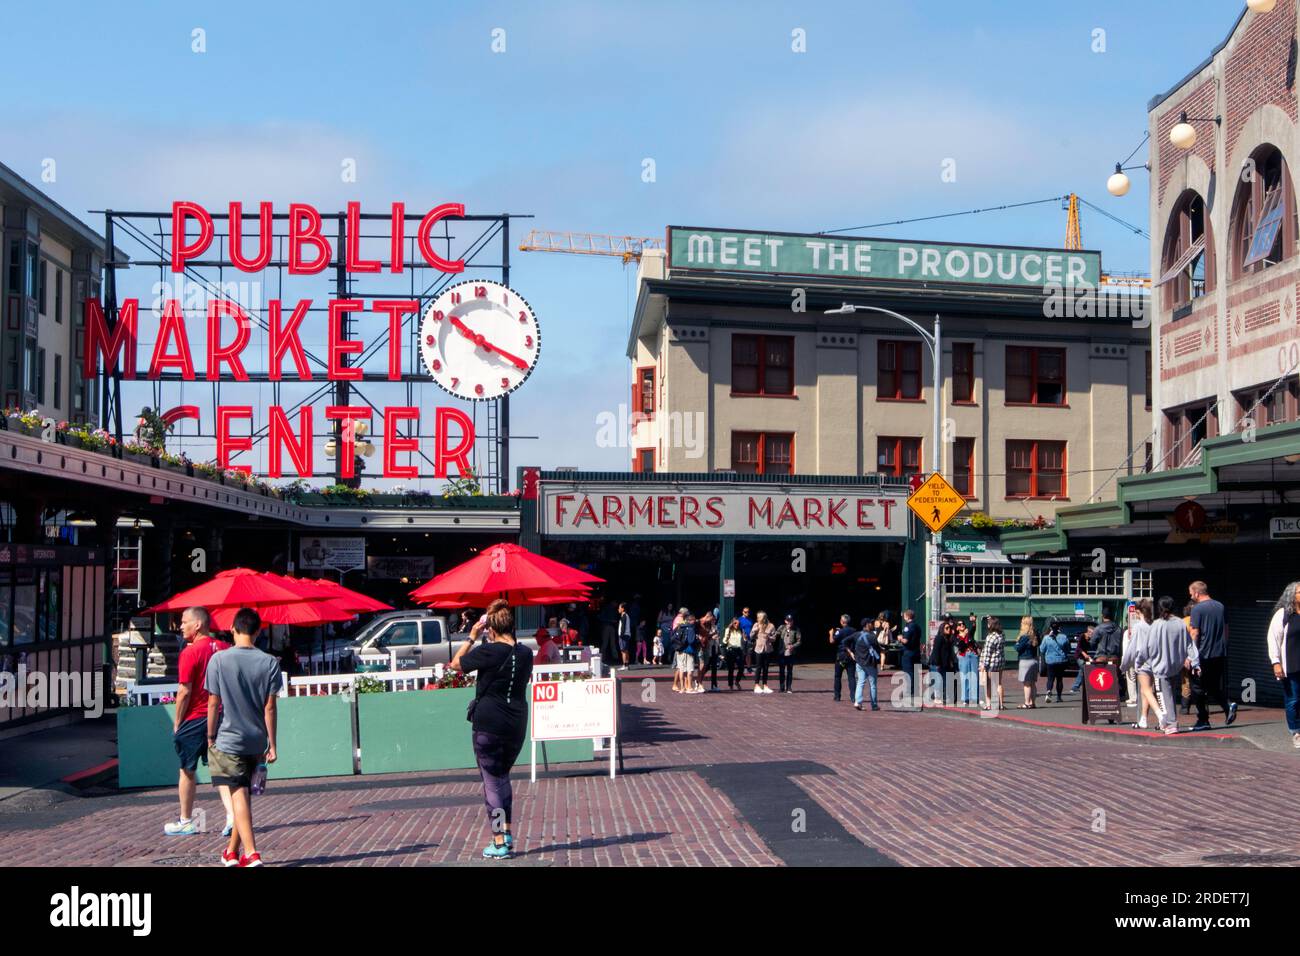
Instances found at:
x=935 y=502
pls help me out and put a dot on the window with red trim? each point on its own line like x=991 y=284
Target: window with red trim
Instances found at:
x=762 y=365
x=644 y=461
x=1035 y=376
x=898 y=365
x=963 y=466
x=900 y=457
x=643 y=391
x=762 y=453
x=1035 y=469
x=963 y=373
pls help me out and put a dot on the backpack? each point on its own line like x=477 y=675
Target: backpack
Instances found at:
x=684 y=639
x=864 y=647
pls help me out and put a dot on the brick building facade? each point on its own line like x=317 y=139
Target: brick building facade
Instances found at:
x=1224 y=225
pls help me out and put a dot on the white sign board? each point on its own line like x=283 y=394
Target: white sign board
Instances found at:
x=573 y=710
x=728 y=587
x=1284 y=528
x=733 y=508
x=336 y=554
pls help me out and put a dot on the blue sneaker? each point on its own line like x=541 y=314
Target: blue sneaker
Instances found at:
x=510 y=841
x=228 y=829
x=495 y=851
x=181 y=828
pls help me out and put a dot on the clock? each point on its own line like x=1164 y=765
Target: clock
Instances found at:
x=479 y=340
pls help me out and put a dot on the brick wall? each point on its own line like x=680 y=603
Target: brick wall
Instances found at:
x=1258 y=70
x=1199 y=101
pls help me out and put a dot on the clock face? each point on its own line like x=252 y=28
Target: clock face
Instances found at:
x=479 y=340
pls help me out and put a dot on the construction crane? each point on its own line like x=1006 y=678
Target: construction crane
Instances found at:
x=1074 y=240
x=628 y=248
x=1073 y=234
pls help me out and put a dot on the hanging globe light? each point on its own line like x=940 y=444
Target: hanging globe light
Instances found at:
x=1183 y=135
x=330 y=448
x=1261 y=6
x=1118 y=183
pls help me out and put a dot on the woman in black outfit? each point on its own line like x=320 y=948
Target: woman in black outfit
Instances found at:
x=499 y=714
x=943 y=657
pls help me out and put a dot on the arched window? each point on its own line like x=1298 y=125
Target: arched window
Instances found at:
x=1263 y=214
x=1187 y=264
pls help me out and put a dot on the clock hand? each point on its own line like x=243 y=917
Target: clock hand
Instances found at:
x=487 y=346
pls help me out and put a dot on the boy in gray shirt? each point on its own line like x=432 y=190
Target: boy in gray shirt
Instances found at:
x=1165 y=651
x=242 y=691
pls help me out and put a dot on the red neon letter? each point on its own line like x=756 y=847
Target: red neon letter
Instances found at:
x=264 y=235
x=226 y=443
x=422 y=237
x=172 y=325
x=219 y=354
x=458 y=455
x=120 y=348
x=182 y=211
x=347 y=446
x=352 y=248
x=284 y=338
x=304 y=229
x=339 y=346
x=397 y=250
x=173 y=415
x=279 y=430
x=395 y=309
x=393 y=442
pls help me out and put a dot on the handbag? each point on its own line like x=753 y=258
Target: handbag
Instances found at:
x=472 y=706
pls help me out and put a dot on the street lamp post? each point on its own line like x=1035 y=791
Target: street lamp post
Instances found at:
x=933 y=341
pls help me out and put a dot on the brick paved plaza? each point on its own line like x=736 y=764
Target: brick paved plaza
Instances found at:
x=741 y=779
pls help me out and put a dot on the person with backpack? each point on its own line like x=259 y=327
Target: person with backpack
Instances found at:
x=1056 y=651
x=763 y=636
x=788 y=640
x=1284 y=654
x=685 y=651
x=843 y=660
x=865 y=652
x=733 y=650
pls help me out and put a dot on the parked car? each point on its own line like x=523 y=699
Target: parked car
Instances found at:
x=421 y=638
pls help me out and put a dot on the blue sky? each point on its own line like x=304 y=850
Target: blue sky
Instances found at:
x=743 y=131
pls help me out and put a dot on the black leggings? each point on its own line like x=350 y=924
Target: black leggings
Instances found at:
x=496 y=756
x=1055 y=675
x=761 y=663
x=735 y=666
x=785 y=671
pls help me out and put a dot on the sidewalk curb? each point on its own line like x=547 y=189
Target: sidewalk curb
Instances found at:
x=1144 y=736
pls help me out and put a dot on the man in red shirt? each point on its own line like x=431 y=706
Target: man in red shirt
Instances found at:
x=190 y=725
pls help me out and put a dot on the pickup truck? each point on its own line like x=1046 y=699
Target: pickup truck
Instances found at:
x=420 y=639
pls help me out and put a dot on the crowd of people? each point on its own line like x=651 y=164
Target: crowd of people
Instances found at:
x=1158 y=655
x=225 y=711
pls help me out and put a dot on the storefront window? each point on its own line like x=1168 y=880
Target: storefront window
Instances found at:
x=24 y=613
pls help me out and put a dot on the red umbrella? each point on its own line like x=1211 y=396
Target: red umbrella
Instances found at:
x=303 y=614
x=507 y=571
x=354 y=601
x=534 y=596
x=239 y=587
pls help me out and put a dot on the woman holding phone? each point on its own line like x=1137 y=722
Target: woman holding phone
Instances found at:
x=498 y=713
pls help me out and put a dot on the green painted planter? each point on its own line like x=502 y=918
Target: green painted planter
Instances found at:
x=427 y=730
x=314 y=737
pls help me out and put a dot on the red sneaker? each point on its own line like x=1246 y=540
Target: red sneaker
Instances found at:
x=229 y=859
x=254 y=860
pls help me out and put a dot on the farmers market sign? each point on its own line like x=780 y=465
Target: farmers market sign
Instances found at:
x=856 y=257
